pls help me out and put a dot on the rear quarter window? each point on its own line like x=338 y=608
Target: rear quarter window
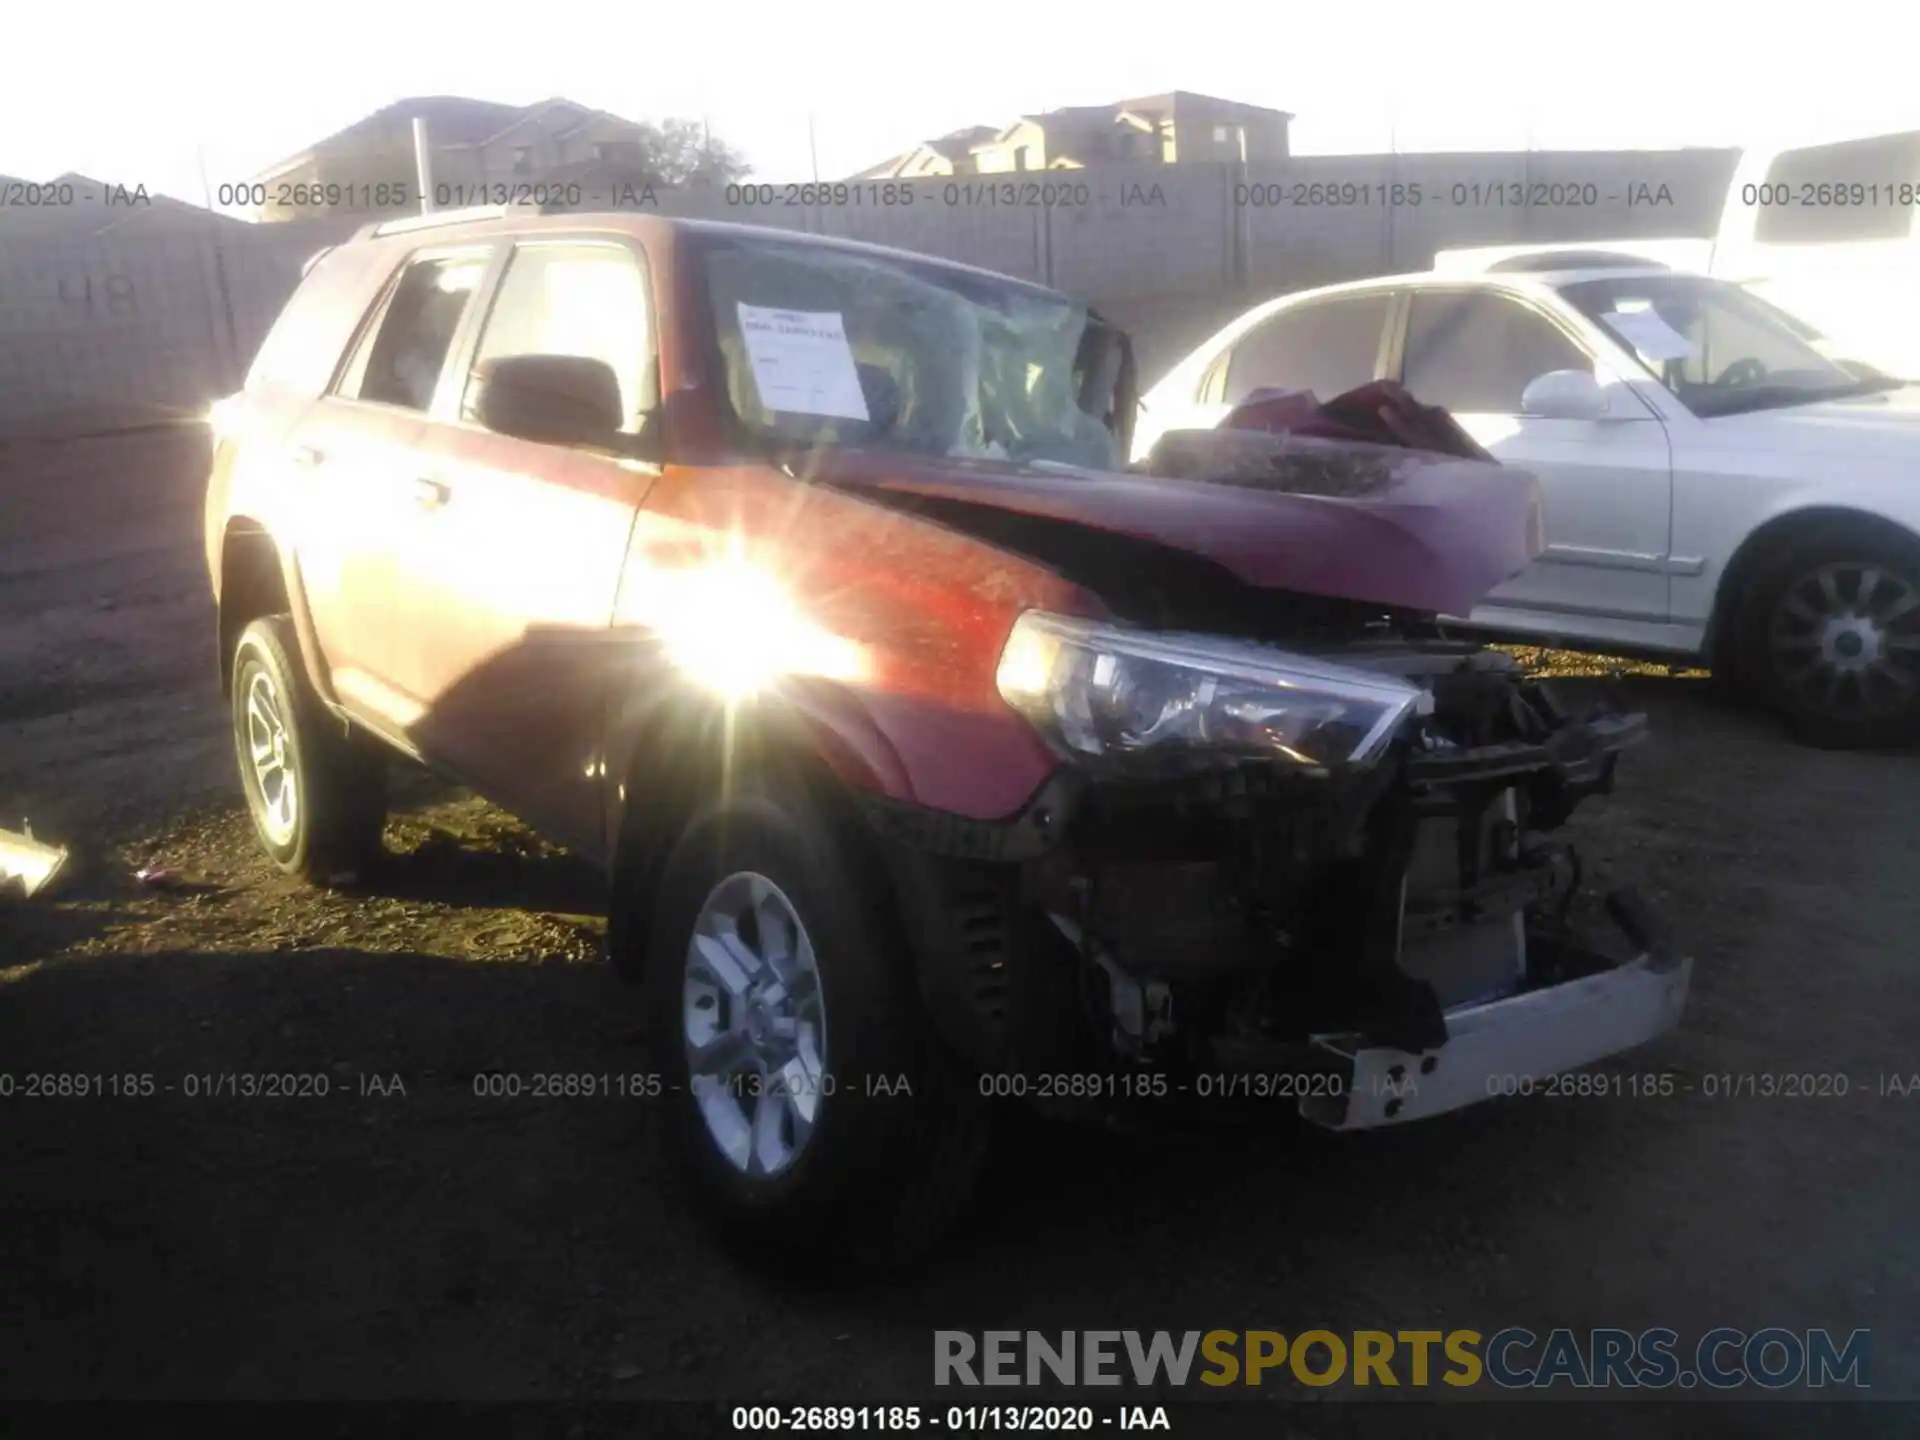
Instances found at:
x=304 y=346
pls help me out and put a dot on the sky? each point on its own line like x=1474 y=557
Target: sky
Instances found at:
x=159 y=95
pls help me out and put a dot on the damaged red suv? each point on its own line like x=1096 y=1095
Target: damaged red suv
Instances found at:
x=932 y=757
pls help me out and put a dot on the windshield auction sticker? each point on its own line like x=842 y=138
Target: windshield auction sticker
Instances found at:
x=1650 y=335
x=802 y=363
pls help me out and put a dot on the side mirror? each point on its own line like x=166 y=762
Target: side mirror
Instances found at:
x=1564 y=395
x=552 y=399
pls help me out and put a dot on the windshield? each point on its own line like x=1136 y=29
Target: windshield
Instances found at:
x=830 y=347
x=1719 y=348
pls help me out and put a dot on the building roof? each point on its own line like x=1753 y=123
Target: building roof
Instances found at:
x=1158 y=108
x=1077 y=114
x=956 y=143
x=951 y=146
x=1074 y=124
x=527 y=115
x=452 y=120
x=1077 y=132
x=1160 y=104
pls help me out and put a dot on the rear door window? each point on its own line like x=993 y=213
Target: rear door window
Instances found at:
x=402 y=354
x=1326 y=346
x=1476 y=352
x=575 y=298
x=1839 y=193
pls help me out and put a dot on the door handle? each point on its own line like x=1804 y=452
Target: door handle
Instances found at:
x=430 y=494
x=306 y=457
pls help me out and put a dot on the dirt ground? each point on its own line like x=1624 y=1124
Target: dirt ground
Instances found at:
x=403 y=1237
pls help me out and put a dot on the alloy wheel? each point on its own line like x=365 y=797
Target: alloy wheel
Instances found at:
x=270 y=751
x=754 y=1023
x=1844 y=639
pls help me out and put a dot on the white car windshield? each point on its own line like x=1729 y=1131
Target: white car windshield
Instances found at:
x=1719 y=348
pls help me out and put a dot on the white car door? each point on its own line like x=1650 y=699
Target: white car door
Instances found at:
x=1607 y=482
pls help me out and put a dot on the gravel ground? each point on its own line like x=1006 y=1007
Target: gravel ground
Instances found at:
x=402 y=1237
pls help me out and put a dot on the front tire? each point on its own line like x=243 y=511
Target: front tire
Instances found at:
x=315 y=792
x=1831 y=638
x=821 y=1122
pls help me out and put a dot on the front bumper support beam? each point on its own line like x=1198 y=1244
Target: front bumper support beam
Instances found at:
x=1499 y=1046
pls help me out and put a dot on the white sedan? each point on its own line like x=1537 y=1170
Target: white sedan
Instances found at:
x=1717 y=488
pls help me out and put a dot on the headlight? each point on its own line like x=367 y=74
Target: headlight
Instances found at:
x=1101 y=690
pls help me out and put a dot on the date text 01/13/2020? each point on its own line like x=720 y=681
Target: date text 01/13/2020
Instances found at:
x=1150 y=1085
x=1713 y=1085
x=953 y=194
x=1499 y=195
x=200 y=1085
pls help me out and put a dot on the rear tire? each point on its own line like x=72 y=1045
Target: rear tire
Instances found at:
x=1830 y=637
x=775 y=953
x=316 y=792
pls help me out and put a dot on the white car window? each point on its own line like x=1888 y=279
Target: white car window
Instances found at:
x=1476 y=352
x=1327 y=346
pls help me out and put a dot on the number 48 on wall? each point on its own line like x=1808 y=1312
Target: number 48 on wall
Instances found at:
x=112 y=296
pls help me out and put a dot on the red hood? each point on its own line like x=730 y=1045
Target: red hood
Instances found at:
x=1432 y=533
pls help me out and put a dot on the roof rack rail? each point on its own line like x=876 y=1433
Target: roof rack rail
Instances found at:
x=434 y=218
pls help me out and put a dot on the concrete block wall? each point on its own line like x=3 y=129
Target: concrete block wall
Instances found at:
x=1009 y=240
x=1149 y=229
x=259 y=271
x=108 y=331
x=101 y=330
x=119 y=322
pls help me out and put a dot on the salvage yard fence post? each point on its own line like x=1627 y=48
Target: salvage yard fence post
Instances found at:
x=227 y=362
